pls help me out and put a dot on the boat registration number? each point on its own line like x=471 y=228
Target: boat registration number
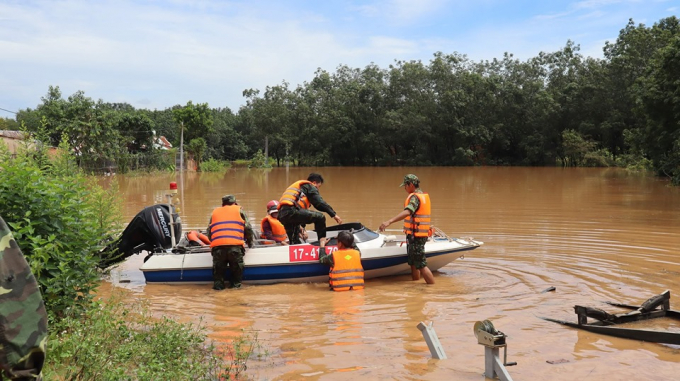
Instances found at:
x=303 y=253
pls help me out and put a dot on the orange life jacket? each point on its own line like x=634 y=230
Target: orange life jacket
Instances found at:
x=198 y=237
x=292 y=196
x=347 y=272
x=227 y=227
x=278 y=231
x=418 y=224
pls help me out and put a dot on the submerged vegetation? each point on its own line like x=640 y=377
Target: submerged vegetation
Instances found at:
x=213 y=165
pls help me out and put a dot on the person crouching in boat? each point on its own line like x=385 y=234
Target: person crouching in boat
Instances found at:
x=346 y=273
x=228 y=231
x=416 y=216
x=294 y=208
x=270 y=227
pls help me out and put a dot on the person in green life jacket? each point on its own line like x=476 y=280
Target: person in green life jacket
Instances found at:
x=23 y=318
x=346 y=272
x=416 y=216
x=228 y=231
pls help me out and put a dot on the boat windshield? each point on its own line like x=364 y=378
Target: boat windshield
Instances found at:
x=361 y=233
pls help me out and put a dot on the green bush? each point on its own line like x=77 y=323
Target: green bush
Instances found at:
x=119 y=340
x=61 y=219
x=212 y=165
x=258 y=161
x=599 y=158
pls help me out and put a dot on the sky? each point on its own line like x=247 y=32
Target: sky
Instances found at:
x=159 y=53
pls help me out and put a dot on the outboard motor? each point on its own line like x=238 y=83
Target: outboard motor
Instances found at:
x=148 y=231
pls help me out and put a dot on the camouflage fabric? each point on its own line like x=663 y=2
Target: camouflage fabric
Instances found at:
x=416 y=251
x=410 y=179
x=23 y=319
x=229 y=200
x=414 y=202
x=227 y=258
x=292 y=218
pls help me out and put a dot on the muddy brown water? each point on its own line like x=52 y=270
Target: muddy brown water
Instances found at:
x=593 y=234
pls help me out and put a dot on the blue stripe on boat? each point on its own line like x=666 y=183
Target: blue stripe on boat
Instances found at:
x=276 y=272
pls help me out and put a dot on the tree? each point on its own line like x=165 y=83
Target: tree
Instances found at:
x=136 y=131
x=661 y=100
x=196 y=148
x=8 y=124
x=195 y=120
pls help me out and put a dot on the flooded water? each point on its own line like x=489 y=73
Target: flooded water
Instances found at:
x=593 y=234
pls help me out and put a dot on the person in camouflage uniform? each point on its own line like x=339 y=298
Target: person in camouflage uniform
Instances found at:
x=23 y=318
x=294 y=217
x=229 y=255
x=415 y=246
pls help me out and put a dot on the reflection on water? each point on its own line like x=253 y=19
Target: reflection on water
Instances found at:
x=593 y=234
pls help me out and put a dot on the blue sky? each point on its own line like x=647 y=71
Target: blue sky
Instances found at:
x=159 y=53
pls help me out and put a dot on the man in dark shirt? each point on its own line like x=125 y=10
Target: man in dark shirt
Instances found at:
x=294 y=208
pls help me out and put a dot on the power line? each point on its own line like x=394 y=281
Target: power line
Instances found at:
x=3 y=109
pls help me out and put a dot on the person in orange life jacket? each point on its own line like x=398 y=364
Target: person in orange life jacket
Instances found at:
x=294 y=208
x=416 y=216
x=228 y=231
x=270 y=227
x=346 y=273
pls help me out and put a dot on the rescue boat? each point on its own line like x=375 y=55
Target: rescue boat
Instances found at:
x=189 y=262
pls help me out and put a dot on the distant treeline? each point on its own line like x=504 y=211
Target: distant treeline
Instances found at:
x=558 y=108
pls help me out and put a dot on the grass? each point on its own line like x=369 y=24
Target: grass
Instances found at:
x=118 y=340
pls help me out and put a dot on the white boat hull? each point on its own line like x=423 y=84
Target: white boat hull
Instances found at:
x=382 y=256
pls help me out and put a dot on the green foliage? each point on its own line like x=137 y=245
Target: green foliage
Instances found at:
x=212 y=165
x=137 y=132
x=575 y=148
x=116 y=340
x=196 y=147
x=196 y=120
x=598 y=158
x=259 y=161
x=61 y=219
x=660 y=90
x=8 y=124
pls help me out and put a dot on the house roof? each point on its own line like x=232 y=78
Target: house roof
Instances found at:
x=12 y=134
x=162 y=143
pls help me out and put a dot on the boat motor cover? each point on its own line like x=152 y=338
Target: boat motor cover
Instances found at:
x=148 y=231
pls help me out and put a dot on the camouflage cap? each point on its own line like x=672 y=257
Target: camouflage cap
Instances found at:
x=410 y=178
x=229 y=200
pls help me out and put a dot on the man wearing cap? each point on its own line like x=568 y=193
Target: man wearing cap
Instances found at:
x=228 y=231
x=270 y=227
x=416 y=216
x=294 y=208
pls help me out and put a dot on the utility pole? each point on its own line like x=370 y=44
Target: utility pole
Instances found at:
x=181 y=147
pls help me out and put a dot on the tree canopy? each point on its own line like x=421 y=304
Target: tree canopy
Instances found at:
x=558 y=108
